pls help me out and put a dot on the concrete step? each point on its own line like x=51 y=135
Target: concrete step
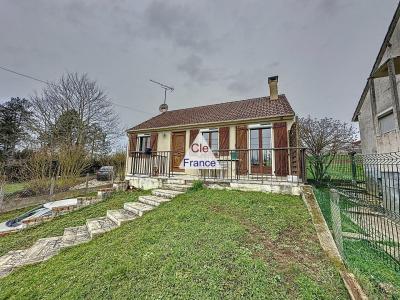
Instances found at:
x=119 y=216
x=99 y=225
x=75 y=235
x=175 y=181
x=166 y=193
x=10 y=261
x=138 y=207
x=152 y=200
x=176 y=187
x=42 y=250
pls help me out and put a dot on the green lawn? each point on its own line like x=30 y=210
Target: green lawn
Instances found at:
x=202 y=245
x=10 y=188
x=370 y=267
x=25 y=238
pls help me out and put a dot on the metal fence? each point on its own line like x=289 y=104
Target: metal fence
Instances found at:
x=263 y=164
x=364 y=202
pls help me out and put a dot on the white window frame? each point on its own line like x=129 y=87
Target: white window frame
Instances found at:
x=385 y=113
x=205 y=130
x=142 y=135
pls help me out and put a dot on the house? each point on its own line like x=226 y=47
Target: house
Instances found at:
x=378 y=110
x=253 y=139
x=378 y=115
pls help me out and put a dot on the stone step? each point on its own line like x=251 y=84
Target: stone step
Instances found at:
x=75 y=235
x=10 y=261
x=175 y=181
x=42 y=250
x=166 y=193
x=176 y=187
x=138 y=208
x=99 y=225
x=153 y=200
x=119 y=216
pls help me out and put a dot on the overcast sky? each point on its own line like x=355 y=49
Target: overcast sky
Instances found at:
x=210 y=51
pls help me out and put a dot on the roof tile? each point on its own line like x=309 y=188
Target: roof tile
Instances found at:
x=254 y=108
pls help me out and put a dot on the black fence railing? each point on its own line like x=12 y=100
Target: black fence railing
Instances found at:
x=261 y=164
x=369 y=190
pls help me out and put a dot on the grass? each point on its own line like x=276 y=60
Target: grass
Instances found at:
x=371 y=269
x=370 y=266
x=11 y=188
x=25 y=238
x=205 y=244
x=323 y=199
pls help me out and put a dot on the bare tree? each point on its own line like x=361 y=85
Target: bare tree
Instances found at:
x=324 y=138
x=73 y=106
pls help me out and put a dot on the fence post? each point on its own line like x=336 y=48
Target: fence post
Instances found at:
x=1 y=196
x=87 y=183
x=353 y=166
x=336 y=220
x=303 y=164
x=52 y=183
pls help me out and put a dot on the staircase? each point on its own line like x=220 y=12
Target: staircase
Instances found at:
x=46 y=248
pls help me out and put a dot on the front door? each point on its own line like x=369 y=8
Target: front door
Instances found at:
x=260 y=151
x=178 y=149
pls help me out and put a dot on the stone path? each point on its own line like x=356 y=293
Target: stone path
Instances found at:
x=46 y=248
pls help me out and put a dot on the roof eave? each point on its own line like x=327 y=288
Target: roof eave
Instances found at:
x=381 y=52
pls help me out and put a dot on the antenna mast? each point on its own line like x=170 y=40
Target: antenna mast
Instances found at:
x=164 y=106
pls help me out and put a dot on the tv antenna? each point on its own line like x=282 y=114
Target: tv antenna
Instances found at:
x=163 y=107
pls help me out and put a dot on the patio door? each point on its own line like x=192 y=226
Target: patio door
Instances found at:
x=178 y=149
x=260 y=152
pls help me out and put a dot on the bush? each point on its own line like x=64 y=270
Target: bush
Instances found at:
x=197 y=186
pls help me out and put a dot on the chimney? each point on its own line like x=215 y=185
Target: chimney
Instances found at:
x=273 y=87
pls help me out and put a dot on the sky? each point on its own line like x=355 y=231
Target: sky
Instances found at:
x=209 y=51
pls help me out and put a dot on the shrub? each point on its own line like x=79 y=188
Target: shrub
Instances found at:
x=197 y=186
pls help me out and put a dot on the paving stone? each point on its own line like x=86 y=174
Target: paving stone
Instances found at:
x=120 y=216
x=10 y=261
x=166 y=193
x=153 y=200
x=75 y=235
x=43 y=249
x=138 y=207
x=99 y=225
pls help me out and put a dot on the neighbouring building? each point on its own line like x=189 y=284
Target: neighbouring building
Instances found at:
x=378 y=115
x=378 y=110
x=252 y=139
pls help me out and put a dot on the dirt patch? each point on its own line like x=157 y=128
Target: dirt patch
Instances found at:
x=286 y=253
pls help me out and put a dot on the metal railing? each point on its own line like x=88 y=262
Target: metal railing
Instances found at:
x=261 y=164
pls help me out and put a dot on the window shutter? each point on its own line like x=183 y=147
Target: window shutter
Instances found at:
x=281 y=156
x=241 y=143
x=193 y=134
x=132 y=142
x=224 y=140
x=153 y=141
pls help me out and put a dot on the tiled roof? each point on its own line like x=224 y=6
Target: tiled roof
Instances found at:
x=255 y=108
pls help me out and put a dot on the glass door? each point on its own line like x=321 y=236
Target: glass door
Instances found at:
x=260 y=151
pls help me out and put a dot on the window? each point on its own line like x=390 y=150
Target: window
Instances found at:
x=386 y=122
x=211 y=136
x=260 y=141
x=144 y=142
